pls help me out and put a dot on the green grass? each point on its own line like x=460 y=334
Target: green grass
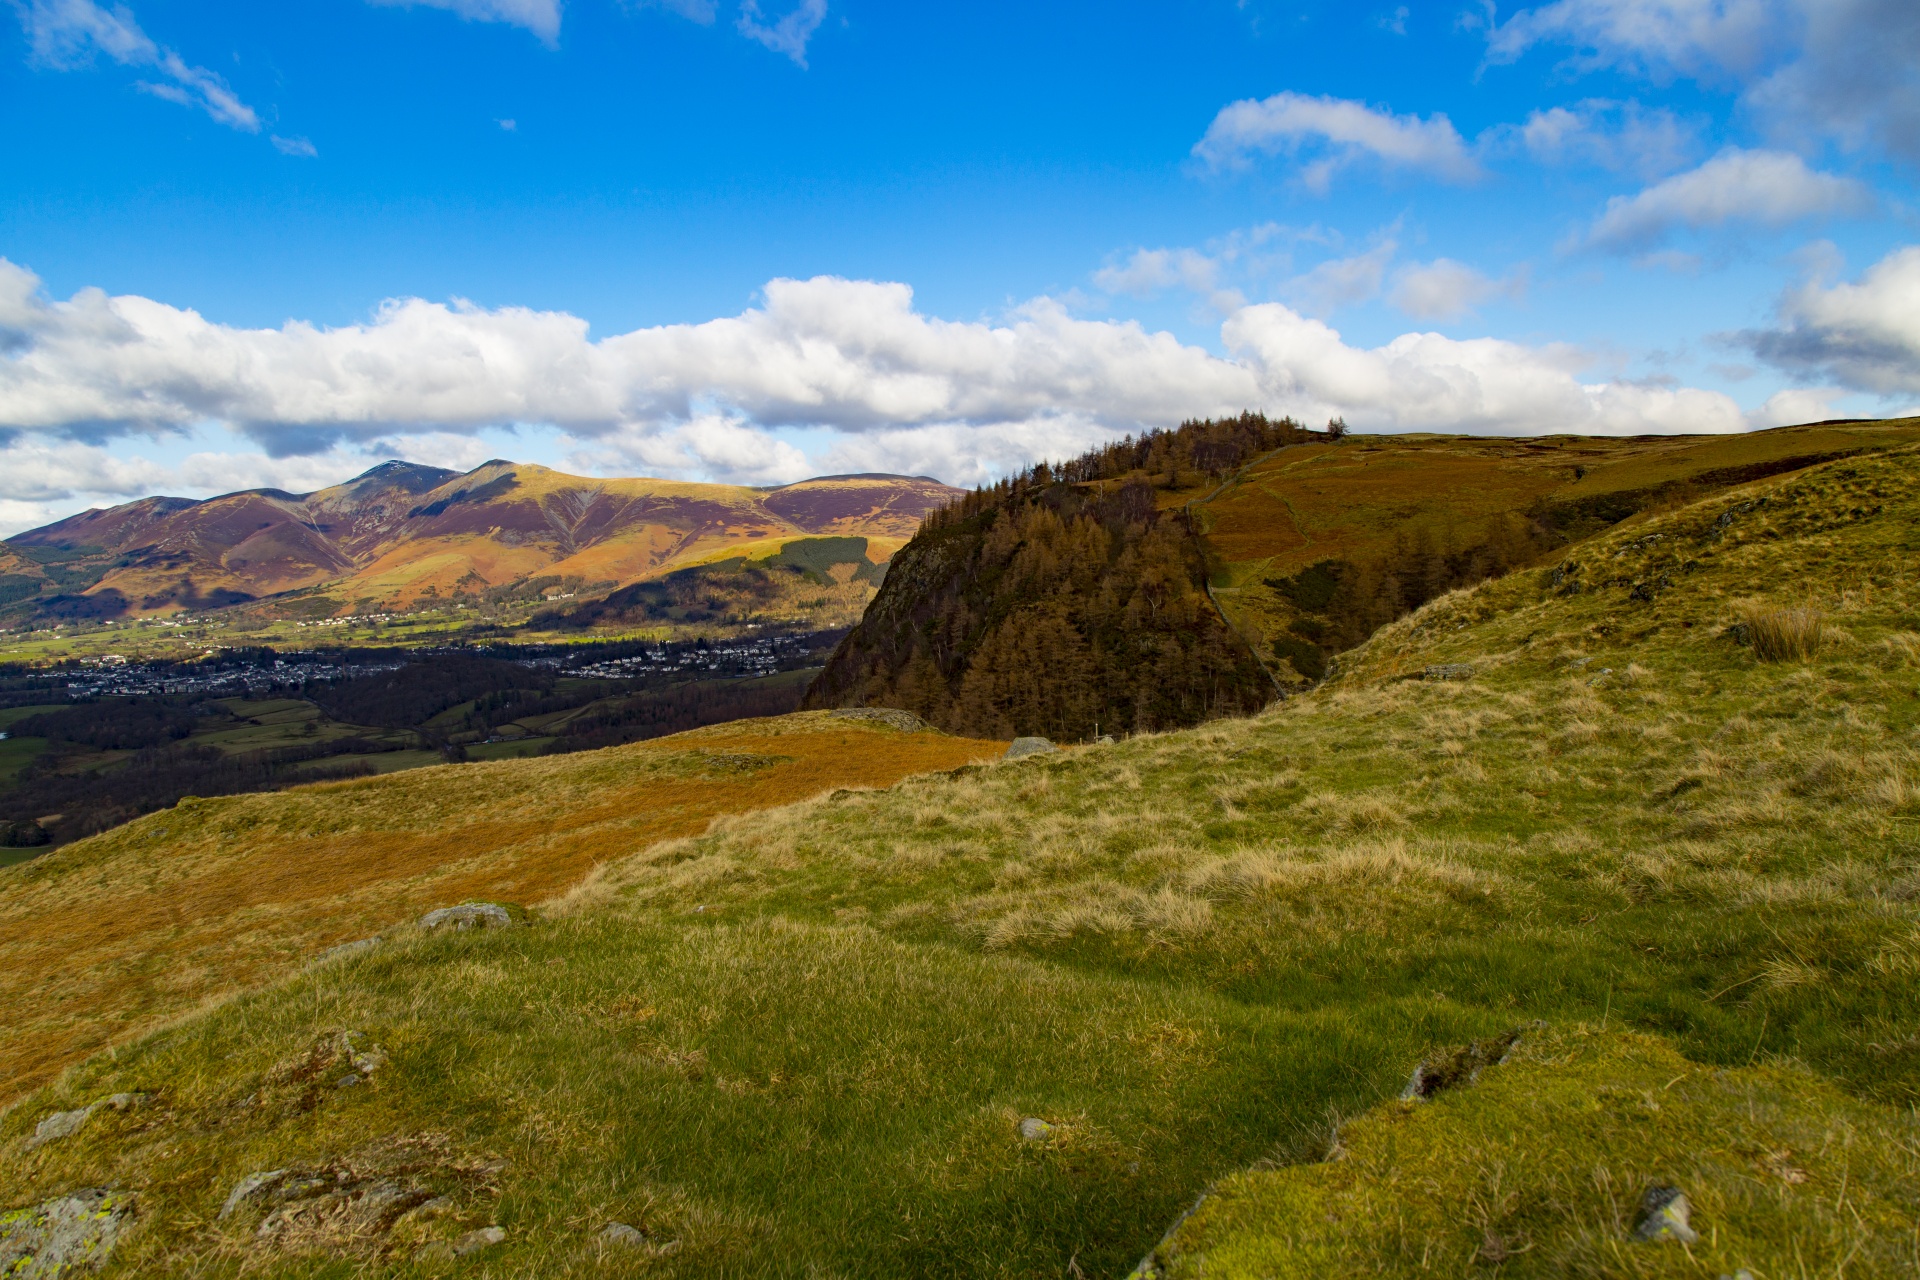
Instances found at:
x=801 y=1044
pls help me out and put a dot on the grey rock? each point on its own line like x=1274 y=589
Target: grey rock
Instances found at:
x=1448 y=671
x=64 y=1235
x=1023 y=747
x=1104 y=740
x=346 y=1081
x=891 y=717
x=1034 y=1129
x=129 y=1101
x=468 y=915
x=1664 y=1215
x=346 y=949
x=255 y=1186
x=61 y=1124
x=621 y=1234
x=475 y=1241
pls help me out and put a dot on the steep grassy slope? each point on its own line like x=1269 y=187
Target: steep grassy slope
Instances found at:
x=403 y=533
x=1312 y=547
x=1136 y=586
x=118 y=933
x=803 y=1042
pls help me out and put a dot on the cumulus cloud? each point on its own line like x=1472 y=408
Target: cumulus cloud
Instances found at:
x=788 y=35
x=1344 y=130
x=850 y=363
x=68 y=34
x=1342 y=282
x=541 y=17
x=1842 y=69
x=1428 y=382
x=1773 y=188
x=1864 y=336
x=1447 y=290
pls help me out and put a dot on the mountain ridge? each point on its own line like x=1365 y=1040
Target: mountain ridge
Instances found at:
x=402 y=532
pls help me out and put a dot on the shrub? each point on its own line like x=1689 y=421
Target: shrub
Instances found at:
x=1780 y=634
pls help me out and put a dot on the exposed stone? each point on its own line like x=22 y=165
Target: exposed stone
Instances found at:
x=1034 y=1129
x=892 y=717
x=61 y=1124
x=63 y=1235
x=1458 y=1064
x=129 y=1101
x=1664 y=1215
x=1448 y=671
x=468 y=915
x=475 y=1241
x=255 y=1186
x=346 y=949
x=621 y=1234
x=347 y=1081
x=1104 y=740
x=1029 y=747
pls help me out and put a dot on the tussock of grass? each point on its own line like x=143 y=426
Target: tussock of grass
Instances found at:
x=1783 y=635
x=799 y=1041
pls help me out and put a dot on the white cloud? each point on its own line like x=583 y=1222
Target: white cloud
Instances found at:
x=1149 y=271
x=1621 y=136
x=299 y=147
x=1864 y=336
x=541 y=17
x=1348 y=130
x=790 y=34
x=1772 y=188
x=68 y=34
x=1427 y=382
x=1342 y=282
x=712 y=446
x=851 y=365
x=1844 y=69
x=1446 y=290
x=1793 y=406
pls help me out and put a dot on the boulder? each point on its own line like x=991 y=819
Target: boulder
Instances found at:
x=1023 y=747
x=346 y=949
x=468 y=915
x=61 y=1124
x=1034 y=1129
x=475 y=1241
x=623 y=1235
x=63 y=1235
x=1664 y=1214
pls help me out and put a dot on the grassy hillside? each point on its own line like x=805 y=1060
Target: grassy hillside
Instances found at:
x=121 y=932
x=805 y=1042
x=1312 y=548
x=1147 y=584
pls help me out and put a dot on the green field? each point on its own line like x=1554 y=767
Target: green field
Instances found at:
x=804 y=1043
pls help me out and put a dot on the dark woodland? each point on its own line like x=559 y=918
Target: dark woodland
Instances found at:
x=1064 y=601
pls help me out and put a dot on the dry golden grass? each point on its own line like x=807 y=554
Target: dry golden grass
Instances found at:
x=1782 y=635
x=110 y=937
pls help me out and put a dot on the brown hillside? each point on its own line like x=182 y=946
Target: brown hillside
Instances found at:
x=106 y=938
x=401 y=533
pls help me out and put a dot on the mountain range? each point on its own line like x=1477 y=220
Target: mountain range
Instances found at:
x=403 y=533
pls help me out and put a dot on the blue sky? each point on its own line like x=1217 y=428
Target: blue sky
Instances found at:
x=272 y=244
